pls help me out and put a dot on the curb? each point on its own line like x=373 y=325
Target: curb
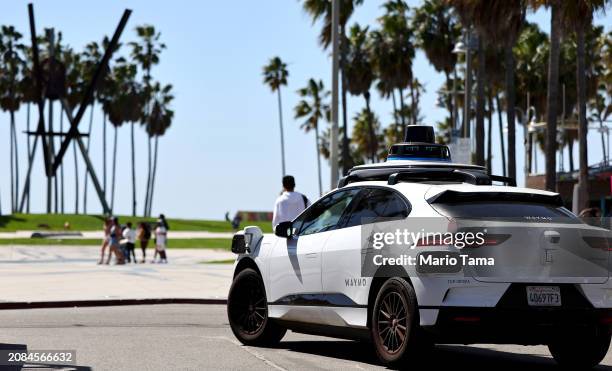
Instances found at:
x=105 y=303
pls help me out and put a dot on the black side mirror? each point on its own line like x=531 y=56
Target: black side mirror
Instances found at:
x=239 y=244
x=284 y=229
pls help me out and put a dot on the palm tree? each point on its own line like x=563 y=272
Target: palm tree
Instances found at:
x=146 y=52
x=365 y=124
x=322 y=9
x=552 y=94
x=531 y=51
x=275 y=75
x=499 y=22
x=313 y=107
x=11 y=65
x=437 y=31
x=360 y=74
x=577 y=16
x=393 y=52
x=158 y=122
x=124 y=104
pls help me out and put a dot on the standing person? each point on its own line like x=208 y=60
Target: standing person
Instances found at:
x=115 y=234
x=130 y=236
x=144 y=235
x=289 y=204
x=161 y=234
x=106 y=239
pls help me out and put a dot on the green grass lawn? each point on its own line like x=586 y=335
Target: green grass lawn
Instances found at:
x=193 y=243
x=11 y=223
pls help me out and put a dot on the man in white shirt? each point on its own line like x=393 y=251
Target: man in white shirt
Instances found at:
x=289 y=204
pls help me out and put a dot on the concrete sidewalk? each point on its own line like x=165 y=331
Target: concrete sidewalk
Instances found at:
x=70 y=273
x=100 y=234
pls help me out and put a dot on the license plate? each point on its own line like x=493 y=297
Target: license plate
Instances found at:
x=544 y=296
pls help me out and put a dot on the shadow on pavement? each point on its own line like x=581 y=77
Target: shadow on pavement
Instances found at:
x=4 y=348
x=452 y=356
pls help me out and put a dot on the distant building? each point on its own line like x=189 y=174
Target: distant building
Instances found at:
x=600 y=190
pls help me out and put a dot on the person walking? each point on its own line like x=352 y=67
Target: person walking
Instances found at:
x=130 y=239
x=161 y=239
x=115 y=233
x=106 y=239
x=289 y=204
x=144 y=236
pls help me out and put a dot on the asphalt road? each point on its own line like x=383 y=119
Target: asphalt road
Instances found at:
x=196 y=337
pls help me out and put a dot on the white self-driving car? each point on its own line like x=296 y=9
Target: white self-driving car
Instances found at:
x=550 y=283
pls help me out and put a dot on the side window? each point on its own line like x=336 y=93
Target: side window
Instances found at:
x=377 y=204
x=325 y=214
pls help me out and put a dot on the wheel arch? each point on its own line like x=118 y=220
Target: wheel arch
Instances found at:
x=380 y=277
x=245 y=263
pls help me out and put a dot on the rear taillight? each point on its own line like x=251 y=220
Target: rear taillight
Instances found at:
x=602 y=243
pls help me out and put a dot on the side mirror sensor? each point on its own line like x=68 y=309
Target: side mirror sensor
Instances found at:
x=239 y=244
x=284 y=229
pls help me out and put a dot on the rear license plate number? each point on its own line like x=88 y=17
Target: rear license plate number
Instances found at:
x=544 y=296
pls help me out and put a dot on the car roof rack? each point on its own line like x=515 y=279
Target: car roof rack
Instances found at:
x=394 y=175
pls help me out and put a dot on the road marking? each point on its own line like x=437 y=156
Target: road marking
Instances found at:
x=251 y=351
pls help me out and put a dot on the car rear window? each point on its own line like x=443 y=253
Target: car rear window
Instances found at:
x=518 y=211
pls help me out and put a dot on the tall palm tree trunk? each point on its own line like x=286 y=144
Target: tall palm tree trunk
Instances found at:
x=501 y=133
x=413 y=113
x=449 y=99
x=397 y=136
x=133 y=169
x=583 y=178
x=372 y=140
x=510 y=112
x=318 y=160
x=114 y=171
x=480 y=102
x=552 y=96
x=282 y=134
x=91 y=112
x=154 y=174
x=403 y=121
x=28 y=150
x=146 y=205
x=345 y=142
x=62 y=167
x=12 y=166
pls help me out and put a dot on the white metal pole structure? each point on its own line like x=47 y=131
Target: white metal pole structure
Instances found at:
x=333 y=141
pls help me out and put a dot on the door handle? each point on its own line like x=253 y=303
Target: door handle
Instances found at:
x=311 y=255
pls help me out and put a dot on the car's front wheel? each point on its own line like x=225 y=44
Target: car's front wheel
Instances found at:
x=581 y=352
x=393 y=321
x=247 y=311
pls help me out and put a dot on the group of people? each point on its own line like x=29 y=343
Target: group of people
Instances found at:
x=120 y=241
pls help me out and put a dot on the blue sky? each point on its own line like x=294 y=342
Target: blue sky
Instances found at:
x=222 y=152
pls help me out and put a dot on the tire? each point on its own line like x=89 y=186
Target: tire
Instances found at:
x=247 y=311
x=580 y=352
x=394 y=322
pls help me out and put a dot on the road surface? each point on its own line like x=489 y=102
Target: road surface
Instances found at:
x=197 y=337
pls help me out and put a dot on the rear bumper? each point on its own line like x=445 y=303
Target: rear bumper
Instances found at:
x=513 y=321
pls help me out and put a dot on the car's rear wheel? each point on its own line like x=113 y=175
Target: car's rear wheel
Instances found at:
x=247 y=311
x=579 y=351
x=393 y=321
